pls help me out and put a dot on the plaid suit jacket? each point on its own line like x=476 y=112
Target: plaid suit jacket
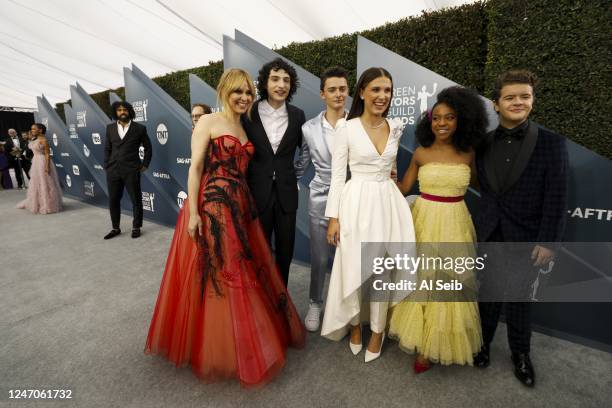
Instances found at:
x=532 y=206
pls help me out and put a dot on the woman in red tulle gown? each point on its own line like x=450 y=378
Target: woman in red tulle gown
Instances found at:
x=222 y=305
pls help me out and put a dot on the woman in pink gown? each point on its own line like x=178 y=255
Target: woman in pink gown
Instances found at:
x=44 y=194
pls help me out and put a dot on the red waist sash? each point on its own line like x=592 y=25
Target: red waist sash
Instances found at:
x=441 y=199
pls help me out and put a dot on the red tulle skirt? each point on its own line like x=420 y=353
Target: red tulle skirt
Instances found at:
x=222 y=306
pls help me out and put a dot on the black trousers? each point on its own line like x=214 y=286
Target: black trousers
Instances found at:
x=274 y=219
x=26 y=164
x=18 y=173
x=518 y=321
x=116 y=182
x=507 y=277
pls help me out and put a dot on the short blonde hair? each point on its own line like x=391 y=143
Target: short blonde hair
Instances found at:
x=231 y=81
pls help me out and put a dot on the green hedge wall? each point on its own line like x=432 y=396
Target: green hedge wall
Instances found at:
x=565 y=42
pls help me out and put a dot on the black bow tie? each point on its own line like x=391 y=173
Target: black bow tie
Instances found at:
x=517 y=133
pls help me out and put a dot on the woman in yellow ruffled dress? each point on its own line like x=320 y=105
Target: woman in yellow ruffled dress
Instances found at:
x=443 y=326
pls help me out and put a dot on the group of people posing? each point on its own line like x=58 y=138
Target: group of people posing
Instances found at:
x=223 y=305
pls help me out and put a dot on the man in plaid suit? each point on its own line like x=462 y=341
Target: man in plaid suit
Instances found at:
x=522 y=172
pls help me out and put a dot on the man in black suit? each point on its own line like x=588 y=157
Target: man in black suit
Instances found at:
x=275 y=129
x=523 y=175
x=123 y=166
x=14 y=148
x=26 y=158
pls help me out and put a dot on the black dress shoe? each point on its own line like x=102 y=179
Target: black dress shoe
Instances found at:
x=112 y=234
x=523 y=369
x=135 y=232
x=482 y=360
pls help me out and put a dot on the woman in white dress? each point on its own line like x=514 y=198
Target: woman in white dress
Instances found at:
x=367 y=208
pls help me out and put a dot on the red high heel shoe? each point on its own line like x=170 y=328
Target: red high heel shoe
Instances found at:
x=420 y=367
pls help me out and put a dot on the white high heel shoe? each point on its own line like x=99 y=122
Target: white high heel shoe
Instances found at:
x=369 y=356
x=355 y=348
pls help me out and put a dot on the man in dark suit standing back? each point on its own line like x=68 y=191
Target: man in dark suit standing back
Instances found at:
x=275 y=129
x=523 y=176
x=123 y=165
x=14 y=148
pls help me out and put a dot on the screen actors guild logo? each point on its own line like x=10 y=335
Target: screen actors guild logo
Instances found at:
x=162 y=134
x=75 y=170
x=68 y=180
x=86 y=151
x=81 y=119
x=55 y=140
x=147 y=201
x=88 y=188
x=141 y=152
x=73 y=132
x=96 y=139
x=405 y=100
x=140 y=109
x=180 y=199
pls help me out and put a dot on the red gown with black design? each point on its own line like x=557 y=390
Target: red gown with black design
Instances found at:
x=222 y=305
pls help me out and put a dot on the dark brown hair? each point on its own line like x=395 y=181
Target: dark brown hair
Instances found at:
x=333 y=72
x=366 y=77
x=207 y=110
x=275 y=65
x=513 y=76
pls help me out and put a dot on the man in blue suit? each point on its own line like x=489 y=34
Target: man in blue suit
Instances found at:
x=523 y=173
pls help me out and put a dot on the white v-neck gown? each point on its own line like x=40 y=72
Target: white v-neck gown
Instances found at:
x=369 y=208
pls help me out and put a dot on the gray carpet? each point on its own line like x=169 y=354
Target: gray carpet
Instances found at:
x=76 y=309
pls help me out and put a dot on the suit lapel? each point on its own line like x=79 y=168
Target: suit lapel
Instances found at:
x=489 y=164
x=531 y=137
x=114 y=133
x=326 y=138
x=290 y=120
x=128 y=133
x=259 y=130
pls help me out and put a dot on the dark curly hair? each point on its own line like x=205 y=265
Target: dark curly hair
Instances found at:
x=124 y=104
x=42 y=128
x=275 y=65
x=472 y=120
x=513 y=76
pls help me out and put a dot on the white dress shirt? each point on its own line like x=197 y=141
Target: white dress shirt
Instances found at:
x=16 y=142
x=123 y=130
x=274 y=121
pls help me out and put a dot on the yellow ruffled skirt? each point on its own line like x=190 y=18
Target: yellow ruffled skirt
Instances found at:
x=445 y=332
